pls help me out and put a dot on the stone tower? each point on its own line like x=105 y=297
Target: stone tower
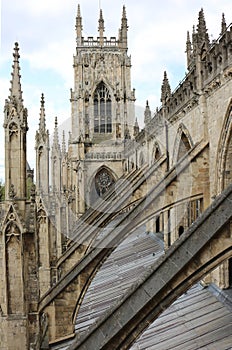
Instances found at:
x=102 y=100
x=102 y=104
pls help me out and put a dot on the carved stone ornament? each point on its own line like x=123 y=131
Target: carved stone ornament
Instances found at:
x=103 y=181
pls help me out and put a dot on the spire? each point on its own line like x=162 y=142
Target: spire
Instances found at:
x=101 y=28
x=15 y=90
x=203 y=36
x=79 y=26
x=223 y=25
x=165 y=89
x=147 y=114
x=124 y=29
x=42 y=121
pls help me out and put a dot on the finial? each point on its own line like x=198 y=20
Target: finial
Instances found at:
x=15 y=90
x=124 y=12
x=42 y=99
x=78 y=10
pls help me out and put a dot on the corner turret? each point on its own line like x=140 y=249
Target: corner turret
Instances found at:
x=79 y=26
x=123 y=30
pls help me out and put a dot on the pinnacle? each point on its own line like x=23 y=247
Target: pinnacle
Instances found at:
x=42 y=122
x=79 y=25
x=201 y=28
x=101 y=20
x=15 y=90
x=223 y=24
x=101 y=27
x=165 y=89
x=56 y=136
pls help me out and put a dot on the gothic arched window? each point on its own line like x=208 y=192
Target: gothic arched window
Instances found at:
x=102 y=110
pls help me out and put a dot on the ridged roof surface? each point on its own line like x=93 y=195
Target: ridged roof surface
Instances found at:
x=197 y=320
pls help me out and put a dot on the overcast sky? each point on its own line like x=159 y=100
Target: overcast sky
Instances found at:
x=45 y=30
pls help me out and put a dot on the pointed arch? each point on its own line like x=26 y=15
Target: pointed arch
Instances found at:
x=183 y=143
x=102 y=107
x=12 y=231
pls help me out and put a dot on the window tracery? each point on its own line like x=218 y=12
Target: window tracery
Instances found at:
x=102 y=110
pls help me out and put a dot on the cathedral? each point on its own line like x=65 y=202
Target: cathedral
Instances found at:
x=87 y=197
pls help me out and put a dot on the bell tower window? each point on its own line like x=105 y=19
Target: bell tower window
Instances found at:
x=102 y=110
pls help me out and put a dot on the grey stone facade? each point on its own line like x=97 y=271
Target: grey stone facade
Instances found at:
x=109 y=168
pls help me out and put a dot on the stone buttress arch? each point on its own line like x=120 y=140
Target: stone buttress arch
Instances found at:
x=223 y=179
x=224 y=147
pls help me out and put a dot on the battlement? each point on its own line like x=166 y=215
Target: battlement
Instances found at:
x=96 y=42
